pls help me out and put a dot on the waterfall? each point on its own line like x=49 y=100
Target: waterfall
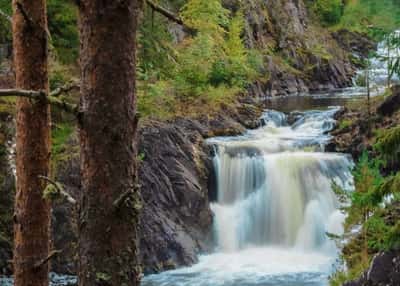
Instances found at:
x=274 y=206
x=271 y=192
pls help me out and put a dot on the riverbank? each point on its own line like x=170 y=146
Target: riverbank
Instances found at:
x=360 y=132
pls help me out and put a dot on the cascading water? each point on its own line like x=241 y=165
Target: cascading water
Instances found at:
x=275 y=206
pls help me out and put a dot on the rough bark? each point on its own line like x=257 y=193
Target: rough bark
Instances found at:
x=108 y=231
x=32 y=212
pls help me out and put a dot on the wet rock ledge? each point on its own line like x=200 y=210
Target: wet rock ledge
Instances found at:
x=174 y=172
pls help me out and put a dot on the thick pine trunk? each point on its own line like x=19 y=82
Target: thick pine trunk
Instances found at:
x=107 y=230
x=32 y=212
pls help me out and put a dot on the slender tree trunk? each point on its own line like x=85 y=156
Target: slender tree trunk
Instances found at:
x=110 y=199
x=388 y=62
x=32 y=212
x=367 y=74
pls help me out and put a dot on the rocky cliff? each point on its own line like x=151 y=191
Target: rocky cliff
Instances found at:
x=300 y=56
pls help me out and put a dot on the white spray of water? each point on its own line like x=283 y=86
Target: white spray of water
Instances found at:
x=274 y=206
x=267 y=197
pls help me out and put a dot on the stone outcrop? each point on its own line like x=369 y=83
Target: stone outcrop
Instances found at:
x=391 y=104
x=301 y=56
x=384 y=271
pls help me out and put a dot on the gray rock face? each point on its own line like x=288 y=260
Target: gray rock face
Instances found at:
x=302 y=57
x=358 y=44
x=175 y=170
x=176 y=218
x=384 y=271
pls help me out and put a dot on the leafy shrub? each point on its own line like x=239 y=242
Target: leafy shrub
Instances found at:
x=209 y=65
x=329 y=11
x=62 y=17
x=371 y=16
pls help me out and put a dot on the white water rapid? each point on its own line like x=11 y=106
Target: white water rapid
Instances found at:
x=275 y=205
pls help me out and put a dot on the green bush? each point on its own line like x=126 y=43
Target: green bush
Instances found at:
x=371 y=16
x=209 y=65
x=329 y=11
x=62 y=16
x=5 y=26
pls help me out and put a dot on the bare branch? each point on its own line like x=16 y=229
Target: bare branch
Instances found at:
x=124 y=196
x=69 y=198
x=62 y=104
x=22 y=93
x=168 y=14
x=52 y=100
x=52 y=254
x=64 y=89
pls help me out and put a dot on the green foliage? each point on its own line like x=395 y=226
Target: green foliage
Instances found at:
x=52 y=192
x=393 y=44
x=237 y=67
x=156 y=51
x=371 y=16
x=5 y=26
x=206 y=68
x=388 y=144
x=377 y=216
x=367 y=179
x=60 y=134
x=393 y=237
x=156 y=99
x=328 y=11
x=206 y=16
x=377 y=232
x=345 y=123
x=62 y=17
x=195 y=62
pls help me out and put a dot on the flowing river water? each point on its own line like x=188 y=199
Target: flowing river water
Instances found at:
x=275 y=205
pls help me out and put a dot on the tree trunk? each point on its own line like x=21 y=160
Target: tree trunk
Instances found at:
x=32 y=212
x=110 y=201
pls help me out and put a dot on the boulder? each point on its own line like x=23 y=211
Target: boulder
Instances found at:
x=384 y=271
x=391 y=104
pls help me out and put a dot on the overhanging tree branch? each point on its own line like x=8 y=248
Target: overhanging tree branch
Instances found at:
x=59 y=189
x=64 y=89
x=168 y=14
x=62 y=104
x=52 y=254
x=22 y=93
x=52 y=99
